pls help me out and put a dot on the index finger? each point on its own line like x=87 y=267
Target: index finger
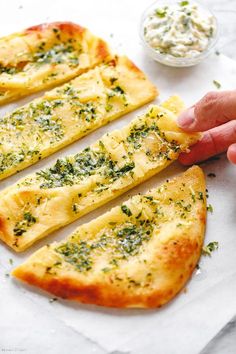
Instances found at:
x=212 y=110
x=213 y=142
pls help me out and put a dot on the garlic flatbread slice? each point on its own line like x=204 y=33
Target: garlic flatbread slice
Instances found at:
x=70 y=112
x=139 y=254
x=46 y=55
x=76 y=184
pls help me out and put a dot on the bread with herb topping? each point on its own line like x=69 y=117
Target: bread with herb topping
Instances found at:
x=46 y=55
x=139 y=254
x=77 y=184
x=71 y=111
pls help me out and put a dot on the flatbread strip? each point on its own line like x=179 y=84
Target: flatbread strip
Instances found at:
x=46 y=55
x=139 y=254
x=67 y=113
x=76 y=184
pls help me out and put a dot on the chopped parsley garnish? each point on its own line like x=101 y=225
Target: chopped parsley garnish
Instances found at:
x=86 y=111
x=139 y=132
x=113 y=79
x=22 y=226
x=210 y=208
x=69 y=170
x=217 y=84
x=126 y=210
x=118 y=89
x=160 y=12
x=200 y=196
x=37 y=121
x=73 y=169
x=125 y=241
x=211 y=247
x=44 y=117
x=76 y=254
x=18 y=230
x=58 y=54
x=11 y=70
x=29 y=218
x=108 y=107
x=106 y=269
x=184 y=3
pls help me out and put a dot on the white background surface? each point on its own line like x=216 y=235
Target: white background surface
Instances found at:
x=28 y=321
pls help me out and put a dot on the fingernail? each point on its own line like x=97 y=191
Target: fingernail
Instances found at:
x=186 y=118
x=231 y=153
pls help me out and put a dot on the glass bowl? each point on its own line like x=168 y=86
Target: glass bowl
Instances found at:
x=168 y=59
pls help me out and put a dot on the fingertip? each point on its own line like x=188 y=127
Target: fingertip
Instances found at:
x=186 y=119
x=231 y=153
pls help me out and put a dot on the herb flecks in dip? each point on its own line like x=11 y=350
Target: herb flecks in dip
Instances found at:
x=180 y=30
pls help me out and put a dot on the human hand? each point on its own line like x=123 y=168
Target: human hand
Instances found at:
x=215 y=116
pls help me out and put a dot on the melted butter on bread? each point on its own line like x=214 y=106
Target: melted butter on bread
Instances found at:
x=46 y=55
x=67 y=113
x=139 y=254
x=80 y=183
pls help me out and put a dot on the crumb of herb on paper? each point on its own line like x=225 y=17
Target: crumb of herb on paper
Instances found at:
x=11 y=261
x=210 y=208
x=217 y=52
x=217 y=84
x=53 y=299
x=211 y=247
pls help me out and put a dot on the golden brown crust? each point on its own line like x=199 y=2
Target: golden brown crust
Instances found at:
x=69 y=27
x=101 y=294
x=98 y=294
x=102 y=50
x=170 y=256
x=3 y=230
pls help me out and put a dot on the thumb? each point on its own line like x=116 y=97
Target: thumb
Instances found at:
x=214 y=109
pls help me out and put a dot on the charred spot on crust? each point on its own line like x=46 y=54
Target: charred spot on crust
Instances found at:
x=36 y=28
x=69 y=27
x=113 y=62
